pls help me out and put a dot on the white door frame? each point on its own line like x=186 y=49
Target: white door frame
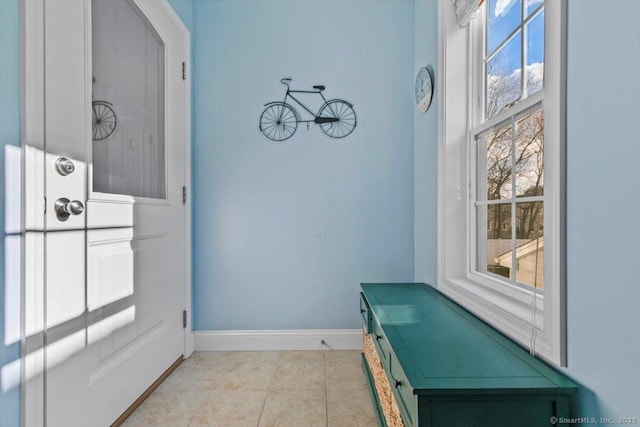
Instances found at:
x=188 y=335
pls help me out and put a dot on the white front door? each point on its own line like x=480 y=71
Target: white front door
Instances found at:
x=106 y=147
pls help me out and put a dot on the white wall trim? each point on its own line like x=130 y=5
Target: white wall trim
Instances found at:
x=302 y=339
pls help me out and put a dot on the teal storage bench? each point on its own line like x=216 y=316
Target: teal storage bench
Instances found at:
x=444 y=367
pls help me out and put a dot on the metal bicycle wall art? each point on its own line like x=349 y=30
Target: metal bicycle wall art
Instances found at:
x=280 y=119
x=104 y=121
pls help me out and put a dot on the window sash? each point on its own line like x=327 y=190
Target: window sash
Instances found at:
x=503 y=117
x=479 y=45
x=481 y=128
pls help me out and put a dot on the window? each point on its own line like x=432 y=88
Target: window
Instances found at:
x=510 y=154
x=501 y=192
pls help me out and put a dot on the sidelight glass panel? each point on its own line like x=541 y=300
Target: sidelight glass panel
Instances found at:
x=128 y=102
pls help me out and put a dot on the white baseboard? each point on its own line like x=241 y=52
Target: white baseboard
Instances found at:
x=334 y=339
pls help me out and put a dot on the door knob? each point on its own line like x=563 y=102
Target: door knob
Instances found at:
x=64 y=166
x=65 y=208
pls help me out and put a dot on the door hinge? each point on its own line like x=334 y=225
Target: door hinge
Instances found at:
x=184 y=195
x=184 y=319
x=184 y=71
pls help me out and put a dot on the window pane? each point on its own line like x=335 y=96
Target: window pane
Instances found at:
x=531 y=5
x=128 y=102
x=504 y=77
x=530 y=244
x=503 y=16
x=529 y=168
x=497 y=245
x=535 y=53
x=499 y=170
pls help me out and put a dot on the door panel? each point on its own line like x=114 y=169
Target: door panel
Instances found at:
x=110 y=266
x=105 y=297
x=65 y=282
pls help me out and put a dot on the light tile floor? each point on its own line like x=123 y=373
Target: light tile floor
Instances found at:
x=262 y=389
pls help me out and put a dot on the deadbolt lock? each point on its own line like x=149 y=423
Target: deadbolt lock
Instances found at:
x=64 y=166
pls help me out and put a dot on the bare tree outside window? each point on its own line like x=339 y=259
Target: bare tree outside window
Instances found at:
x=515 y=170
x=504 y=82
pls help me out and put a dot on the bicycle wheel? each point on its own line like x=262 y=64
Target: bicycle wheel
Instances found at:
x=104 y=120
x=278 y=121
x=343 y=112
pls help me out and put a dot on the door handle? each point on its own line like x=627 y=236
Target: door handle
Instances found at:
x=65 y=208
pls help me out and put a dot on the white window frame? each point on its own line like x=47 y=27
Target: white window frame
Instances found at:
x=511 y=309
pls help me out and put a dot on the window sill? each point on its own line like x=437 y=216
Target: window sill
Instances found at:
x=508 y=310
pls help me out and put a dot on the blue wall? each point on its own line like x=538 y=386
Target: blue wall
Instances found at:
x=603 y=206
x=184 y=9
x=425 y=162
x=9 y=135
x=284 y=233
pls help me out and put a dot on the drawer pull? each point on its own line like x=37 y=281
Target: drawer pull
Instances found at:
x=398 y=383
x=378 y=337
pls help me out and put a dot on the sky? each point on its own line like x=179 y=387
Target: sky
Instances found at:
x=504 y=17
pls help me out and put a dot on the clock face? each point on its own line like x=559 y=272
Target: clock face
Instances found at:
x=424 y=89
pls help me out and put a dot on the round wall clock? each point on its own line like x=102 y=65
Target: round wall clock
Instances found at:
x=424 y=88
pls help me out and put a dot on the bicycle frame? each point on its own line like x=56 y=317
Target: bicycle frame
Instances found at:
x=316 y=119
x=288 y=95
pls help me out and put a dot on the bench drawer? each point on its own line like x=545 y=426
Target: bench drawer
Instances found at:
x=402 y=391
x=381 y=342
x=365 y=312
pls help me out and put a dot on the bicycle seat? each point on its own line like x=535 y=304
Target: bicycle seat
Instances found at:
x=319 y=87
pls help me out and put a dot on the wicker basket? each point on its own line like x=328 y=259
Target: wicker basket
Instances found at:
x=387 y=401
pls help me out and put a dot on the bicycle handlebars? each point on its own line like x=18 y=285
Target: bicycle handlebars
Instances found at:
x=285 y=79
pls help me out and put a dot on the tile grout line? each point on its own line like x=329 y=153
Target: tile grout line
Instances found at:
x=269 y=387
x=326 y=391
